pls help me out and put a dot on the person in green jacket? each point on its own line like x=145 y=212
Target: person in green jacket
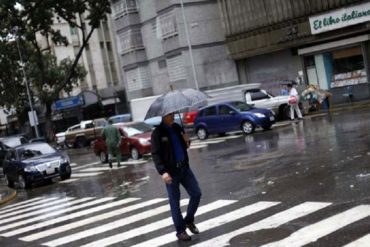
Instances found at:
x=112 y=138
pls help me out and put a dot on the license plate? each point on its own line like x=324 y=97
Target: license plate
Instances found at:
x=272 y=118
x=50 y=171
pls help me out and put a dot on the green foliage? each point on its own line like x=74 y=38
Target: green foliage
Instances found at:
x=29 y=21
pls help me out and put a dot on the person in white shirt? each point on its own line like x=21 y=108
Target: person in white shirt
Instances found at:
x=294 y=105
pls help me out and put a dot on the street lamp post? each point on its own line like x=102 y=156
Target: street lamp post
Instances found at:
x=187 y=34
x=28 y=90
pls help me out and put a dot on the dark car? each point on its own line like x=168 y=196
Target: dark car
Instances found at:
x=10 y=142
x=135 y=141
x=231 y=116
x=34 y=162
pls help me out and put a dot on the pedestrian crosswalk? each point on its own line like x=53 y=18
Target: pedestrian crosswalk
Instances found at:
x=96 y=169
x=110 y=221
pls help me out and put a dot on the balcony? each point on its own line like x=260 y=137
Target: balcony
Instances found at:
x=127 y=20
x=170 y=44
x=133 y=57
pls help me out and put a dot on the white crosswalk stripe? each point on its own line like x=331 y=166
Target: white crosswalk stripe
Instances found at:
x=26 y=212
x=22 y=206
x=102 y=222
x=153 y=227
x=86 y=174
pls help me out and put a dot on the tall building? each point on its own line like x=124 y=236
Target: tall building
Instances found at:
x=99 y=58
x=324 y=43
x=153 y=44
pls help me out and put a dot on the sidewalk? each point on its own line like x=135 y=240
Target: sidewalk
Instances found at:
x=6 y=194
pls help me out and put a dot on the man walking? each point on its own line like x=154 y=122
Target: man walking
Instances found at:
x=112 y=138
x=293 y=102
x=169 y=144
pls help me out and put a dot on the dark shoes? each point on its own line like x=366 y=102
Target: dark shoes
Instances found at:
x=183 y=236
x=110 y=164
x=191 y=226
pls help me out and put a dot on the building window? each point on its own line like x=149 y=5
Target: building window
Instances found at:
x=176 y=68
x=124 y=7
x=166 y=25
x=130 y=41
x=73 y=30
x=162 y=64
x=137 y=79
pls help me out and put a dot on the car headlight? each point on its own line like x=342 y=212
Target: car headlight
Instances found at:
x=30 y=169
x=144 y=141
x=259 y=115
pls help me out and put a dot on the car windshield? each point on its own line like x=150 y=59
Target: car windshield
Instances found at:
x=137 y=128
x=31 y=151
x=14 y=141
x=241 y=106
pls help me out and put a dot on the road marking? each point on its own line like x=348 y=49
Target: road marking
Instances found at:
x=212 y=223
x=46 y=206
x=102 y=228
x=361 y=242
x=207 y=142
x=69 y=181
x=99 y=169
x=322 y=228
x=273 y=221
x=134 y=162
x=53 y=220
x=198 y=146
x=25 y=205
x=82 y=175
x=86 y=165
x=22 y=203
x=73 y=164
x=154 y=226
x=62 y=203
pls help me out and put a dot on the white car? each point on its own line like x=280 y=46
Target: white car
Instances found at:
x=60 y=138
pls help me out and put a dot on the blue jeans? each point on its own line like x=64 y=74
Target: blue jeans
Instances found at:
x=185 y=177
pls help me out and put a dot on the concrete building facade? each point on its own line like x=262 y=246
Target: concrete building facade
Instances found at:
x=152 y=44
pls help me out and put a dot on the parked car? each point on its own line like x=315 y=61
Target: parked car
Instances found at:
x=10 y=142
x=81 y=135
x=120 y=118
x=231 y=116
x=189 y=117
x=35 y=162
x=135 y=141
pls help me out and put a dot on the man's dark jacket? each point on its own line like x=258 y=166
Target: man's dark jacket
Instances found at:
x=162 y=148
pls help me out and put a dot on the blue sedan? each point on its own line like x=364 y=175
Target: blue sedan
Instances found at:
x=34 y=162
x=231 y=116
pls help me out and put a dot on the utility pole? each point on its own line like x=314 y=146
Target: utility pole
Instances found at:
x=187 y=34
x=28 y=90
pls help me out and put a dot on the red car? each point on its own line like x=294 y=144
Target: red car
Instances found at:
x=189 y=117
x=135 y=141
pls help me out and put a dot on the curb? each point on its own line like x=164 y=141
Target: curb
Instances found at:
x=9 y=197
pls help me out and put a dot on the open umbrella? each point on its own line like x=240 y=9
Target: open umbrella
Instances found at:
x=175 y=101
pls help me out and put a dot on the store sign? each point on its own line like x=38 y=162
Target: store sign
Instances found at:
x=68 y=103
x=340 y=18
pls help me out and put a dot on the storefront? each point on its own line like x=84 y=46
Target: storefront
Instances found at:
x=339 y=66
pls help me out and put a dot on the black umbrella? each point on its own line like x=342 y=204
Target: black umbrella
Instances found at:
x=176 y=101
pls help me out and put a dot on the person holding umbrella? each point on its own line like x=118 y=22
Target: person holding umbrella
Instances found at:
x=169 y=151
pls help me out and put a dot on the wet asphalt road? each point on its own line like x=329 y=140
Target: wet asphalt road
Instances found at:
x=324 y=159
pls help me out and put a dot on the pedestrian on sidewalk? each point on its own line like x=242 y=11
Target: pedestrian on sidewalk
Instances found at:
x=112 y=138
x=293 y=102
x=169 y=152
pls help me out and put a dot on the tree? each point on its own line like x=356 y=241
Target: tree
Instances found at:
x=27 y=21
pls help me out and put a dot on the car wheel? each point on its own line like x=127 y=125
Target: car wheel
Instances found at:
x=81 y=142
x=23 y=183
x=247 y=127
x=202 y=133
x=135 y=153
x=8 y=182
x=68 y=145
x=67 y=173
x=103 y=157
